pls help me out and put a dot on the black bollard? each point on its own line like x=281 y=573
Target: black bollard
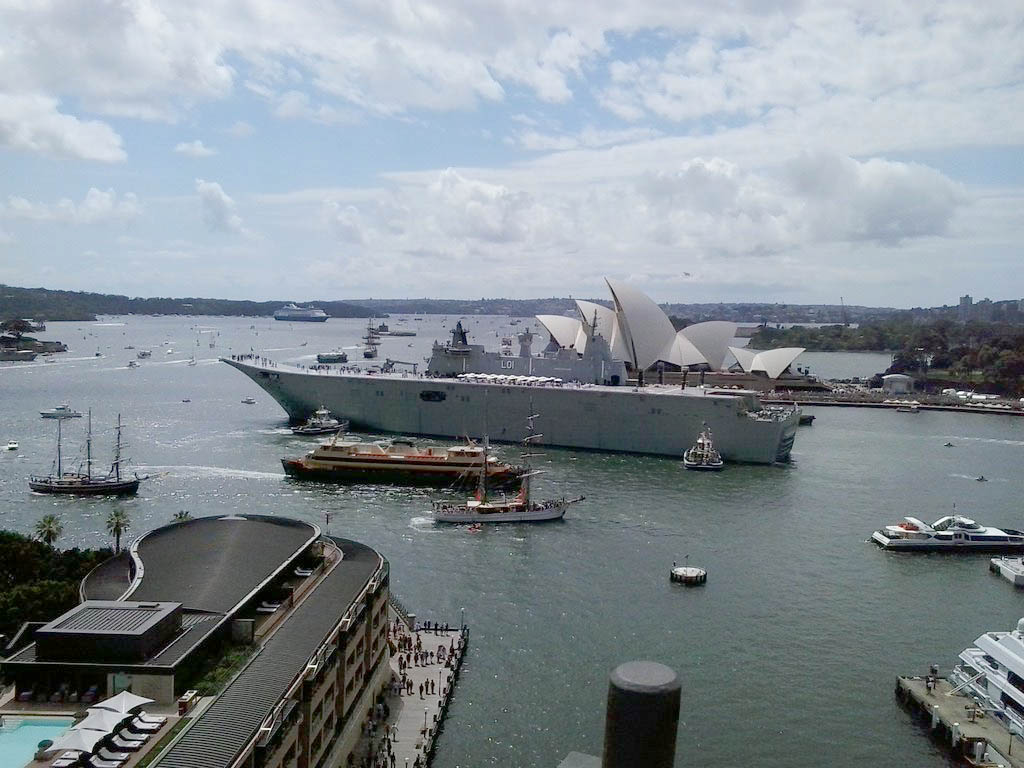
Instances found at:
x=643 y=716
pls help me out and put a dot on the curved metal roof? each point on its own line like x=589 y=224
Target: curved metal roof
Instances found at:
x=565 y=330
x=712 y=340
x=606 y=324
x=647 y=329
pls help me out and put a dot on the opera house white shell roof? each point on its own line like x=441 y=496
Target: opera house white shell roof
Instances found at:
x=639 y=332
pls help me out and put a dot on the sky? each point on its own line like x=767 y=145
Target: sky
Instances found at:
x=702 y=151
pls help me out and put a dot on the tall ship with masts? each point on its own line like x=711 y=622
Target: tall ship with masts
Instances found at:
x=114 y=482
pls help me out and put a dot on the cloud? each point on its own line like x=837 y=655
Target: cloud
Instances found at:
x=241 y=129
x=194 y=149
x=345 y=221
x=589 y=137
x=295 y=105
x=218 y=208
x=33 y=123
x=97 y=205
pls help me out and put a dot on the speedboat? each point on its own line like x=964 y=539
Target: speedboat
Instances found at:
x=12 y=445
x=954 y=533
x=142 y=354
x=703 y=455
x=249 y=401
x=133 y=364
x=320 y=423
x=981 y=479
x=62 y=411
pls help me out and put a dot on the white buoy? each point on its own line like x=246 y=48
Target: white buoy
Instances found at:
x=687 y=574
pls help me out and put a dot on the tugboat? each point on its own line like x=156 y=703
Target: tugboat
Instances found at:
x=86 y=483
x=703 y=456
x=517 y=509
x=320 y=423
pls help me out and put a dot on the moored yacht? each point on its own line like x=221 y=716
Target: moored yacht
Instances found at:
x=992 y=672
x=62 y=411
x=950 y=533
x=1010 y=568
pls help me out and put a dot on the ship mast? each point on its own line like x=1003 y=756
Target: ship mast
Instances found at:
x=60 y=468
x=88 y=448
x=117 y=450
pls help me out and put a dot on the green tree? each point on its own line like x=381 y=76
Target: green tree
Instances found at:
x=117 y=524
x=15 y=327
x=182 y=516
x=49 y=528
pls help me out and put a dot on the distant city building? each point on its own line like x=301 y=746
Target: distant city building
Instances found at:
x=964 y=312
x=159 y=613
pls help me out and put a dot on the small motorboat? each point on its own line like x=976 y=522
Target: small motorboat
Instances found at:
x=249 y=401
x=703 y=455
x=62 y=411
x=948 y=445
x=133 y=364
x=186 y=400
x=12 y=445
x=981 y=479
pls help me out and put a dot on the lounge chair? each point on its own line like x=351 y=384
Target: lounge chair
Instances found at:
x=266 y=609
x=126 y=735
x=148 y=718
x=66 y=760
x=114 y=757
x=97 y=762
x=142 y=727
x=303 y=573
x=27 y=695
x=90 y=695
x=126 y=745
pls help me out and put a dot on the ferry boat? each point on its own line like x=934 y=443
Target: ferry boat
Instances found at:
x=483 y=508
x=953 y=533
x=703 y=456
x=332 y=357
x=992 y=672
x=401 y=462
x=320 y=423
x=79 y=483
x=62 y=411
x=293 y=312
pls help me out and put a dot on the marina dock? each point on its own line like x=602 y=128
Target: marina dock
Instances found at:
x=978 y=738
x=413 y=722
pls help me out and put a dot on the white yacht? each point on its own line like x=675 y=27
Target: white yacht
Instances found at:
x=951 y=533
x=992 y=672
x=62 y=411
x=12 y=445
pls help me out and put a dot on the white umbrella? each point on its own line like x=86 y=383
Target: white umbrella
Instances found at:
x=100 y=720
x=123 y=702
x=80 y=740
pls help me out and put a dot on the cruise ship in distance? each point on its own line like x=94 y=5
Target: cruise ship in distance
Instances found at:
x=293 y=312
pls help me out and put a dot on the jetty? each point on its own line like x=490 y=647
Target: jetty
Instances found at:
x=980 y=739
x=410 y=718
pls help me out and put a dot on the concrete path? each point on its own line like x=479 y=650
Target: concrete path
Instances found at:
x=412 y=724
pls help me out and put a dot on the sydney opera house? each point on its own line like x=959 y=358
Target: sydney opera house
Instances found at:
x=639 y=333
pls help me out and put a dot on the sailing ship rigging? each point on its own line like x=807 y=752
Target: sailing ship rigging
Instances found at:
x=114 y=483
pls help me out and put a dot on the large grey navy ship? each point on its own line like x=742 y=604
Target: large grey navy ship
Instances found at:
x=579 y=385
x=576 y=413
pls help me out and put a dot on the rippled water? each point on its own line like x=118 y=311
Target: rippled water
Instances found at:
x=788 y=655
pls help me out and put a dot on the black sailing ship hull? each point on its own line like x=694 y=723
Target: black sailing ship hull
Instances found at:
x=84 y=486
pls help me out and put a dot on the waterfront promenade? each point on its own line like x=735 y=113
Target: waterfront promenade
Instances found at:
x=406 y=725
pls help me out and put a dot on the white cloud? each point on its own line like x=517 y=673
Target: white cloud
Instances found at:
x=194 y=149
x=34 y=123
x=218 y=208
x=295 y=105
x=241 y=129
x=345 y=221
x=589 y=137
x=97 y=205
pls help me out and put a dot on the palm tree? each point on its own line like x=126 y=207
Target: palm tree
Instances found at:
x=117 y=524
x=182 y=516
x=49 y=528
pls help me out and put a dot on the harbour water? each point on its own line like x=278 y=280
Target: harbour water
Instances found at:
x=788 y=655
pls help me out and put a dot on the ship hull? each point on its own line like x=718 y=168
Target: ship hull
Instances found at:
x=440 y=477
x=297 y=319
x=85 y=488
x=652 y=420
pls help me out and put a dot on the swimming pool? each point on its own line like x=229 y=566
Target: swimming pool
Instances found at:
x=20 y=737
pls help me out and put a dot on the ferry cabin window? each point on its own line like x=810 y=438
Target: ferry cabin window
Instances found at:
x=432 y=396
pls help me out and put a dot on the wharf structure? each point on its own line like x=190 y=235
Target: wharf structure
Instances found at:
x=312 y=608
